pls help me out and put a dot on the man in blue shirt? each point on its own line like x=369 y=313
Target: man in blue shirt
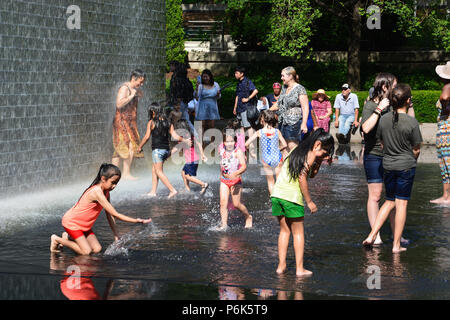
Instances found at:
x=245 y=91
x=346 y=108
x=273 y=97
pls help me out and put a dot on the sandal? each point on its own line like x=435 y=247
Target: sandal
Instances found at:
x=202 y=192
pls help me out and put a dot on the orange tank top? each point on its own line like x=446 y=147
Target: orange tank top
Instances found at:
x=82 y=215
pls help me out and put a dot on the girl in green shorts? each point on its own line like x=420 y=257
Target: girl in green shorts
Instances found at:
x=290 y=189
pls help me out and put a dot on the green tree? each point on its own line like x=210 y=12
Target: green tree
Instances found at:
x=291 y=27
x=174 y=32
x=247 y=21
x=410 y=18
x=294 y=23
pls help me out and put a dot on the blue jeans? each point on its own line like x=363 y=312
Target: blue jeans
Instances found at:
x=345 y=121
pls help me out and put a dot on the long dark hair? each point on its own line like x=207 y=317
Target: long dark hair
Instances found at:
x=298 y=157
x=162 y=124
x=382 y=79
x=153 y=110
x=106 y=170
x=400 y=94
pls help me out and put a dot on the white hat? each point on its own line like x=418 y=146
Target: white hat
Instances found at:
x=443 y=71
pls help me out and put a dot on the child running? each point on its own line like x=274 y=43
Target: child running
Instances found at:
x=162 y=129
x=189 y=171
x=232 y=167
x=240 y=133
x=270 y=138
x=80 y=219
x=291 y=188
x=401 y=138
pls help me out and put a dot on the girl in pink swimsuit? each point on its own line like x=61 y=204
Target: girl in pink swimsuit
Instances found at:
x=80 y=219
x=232 y=166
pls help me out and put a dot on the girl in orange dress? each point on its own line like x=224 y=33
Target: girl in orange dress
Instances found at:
x=80 y=219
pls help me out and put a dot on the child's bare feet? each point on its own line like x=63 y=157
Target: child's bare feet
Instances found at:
x=281 y=268
x=53 y=243
x=303 y=273
x=172 y=194
x=249 y=221
x=151 y=194
x=223 y=227
x=398 y=250
x=65 y=236
x=205 y=186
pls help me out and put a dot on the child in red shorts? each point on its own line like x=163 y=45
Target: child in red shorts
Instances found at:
x=79 y=220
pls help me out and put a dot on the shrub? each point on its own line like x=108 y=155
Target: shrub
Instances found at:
x=424 y=100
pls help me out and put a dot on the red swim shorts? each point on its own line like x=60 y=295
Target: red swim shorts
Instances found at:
x=231 y=183
x=74 y=234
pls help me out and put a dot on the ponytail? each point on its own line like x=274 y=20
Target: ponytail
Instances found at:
x=106 y=170
x=400 y=95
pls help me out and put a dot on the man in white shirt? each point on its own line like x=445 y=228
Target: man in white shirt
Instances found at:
x=346 y=108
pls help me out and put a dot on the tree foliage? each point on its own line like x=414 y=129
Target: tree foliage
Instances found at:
x=291 y=24
x=174 y=32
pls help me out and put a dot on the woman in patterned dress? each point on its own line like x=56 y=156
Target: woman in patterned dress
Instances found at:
x=322 y=107
x=292 y=108
x=125 y=133
x=443 y=134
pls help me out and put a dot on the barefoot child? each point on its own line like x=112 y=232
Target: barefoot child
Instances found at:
x=79 y=220
x=291 y=188
x=189 y=171
x=400 y=136
x=240 y=133
x=162 y=129
x=270 y=138
x=232 y=167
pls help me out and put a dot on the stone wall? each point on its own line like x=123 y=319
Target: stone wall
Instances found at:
x=223 y=62
x=58 y=83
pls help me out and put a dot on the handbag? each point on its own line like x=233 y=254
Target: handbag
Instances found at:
x=252 y=108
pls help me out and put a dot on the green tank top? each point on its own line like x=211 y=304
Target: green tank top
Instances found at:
x=286 y=188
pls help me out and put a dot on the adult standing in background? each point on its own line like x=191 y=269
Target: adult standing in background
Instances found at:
x=245 y=92
x=346 y=108
x=208 y=92
x=182 y=90
x=377 y=105
x=292 y=108
x=443 y=133
x=125 y=133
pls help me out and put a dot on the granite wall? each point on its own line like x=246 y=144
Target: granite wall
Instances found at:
x=59 y=76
